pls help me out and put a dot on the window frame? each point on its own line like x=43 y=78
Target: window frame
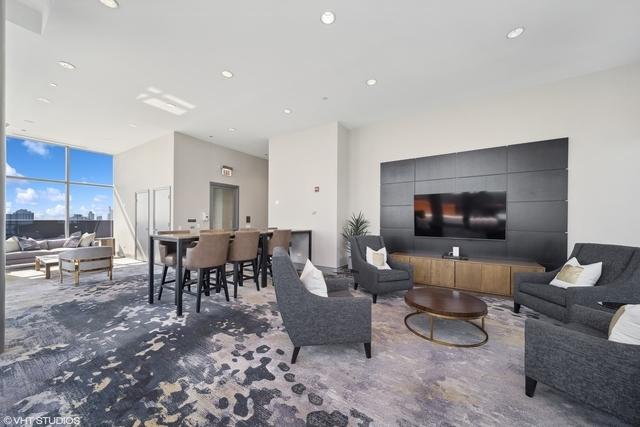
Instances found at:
x=66 y=181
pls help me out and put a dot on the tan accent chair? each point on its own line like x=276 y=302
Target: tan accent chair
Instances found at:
x=167 y=252
x=86 y=260
x=242 y=250
x=279 y=238
x=209 y=254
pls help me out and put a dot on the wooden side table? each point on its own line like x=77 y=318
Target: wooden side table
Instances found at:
x=47 y=262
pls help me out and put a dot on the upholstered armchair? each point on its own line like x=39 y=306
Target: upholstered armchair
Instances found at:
x=310 y=319
x=86 y=260
x=619 y=282
x=578 y=359
x=399 y=278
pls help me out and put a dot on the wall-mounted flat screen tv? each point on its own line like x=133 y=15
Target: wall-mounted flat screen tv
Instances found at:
x=477 y=215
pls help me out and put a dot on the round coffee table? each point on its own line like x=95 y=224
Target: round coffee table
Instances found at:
x=446 y=304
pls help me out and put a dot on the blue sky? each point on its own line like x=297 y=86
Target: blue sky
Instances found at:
x=33 y=159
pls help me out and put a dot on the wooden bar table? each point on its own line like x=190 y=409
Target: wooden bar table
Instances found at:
x=183 y=240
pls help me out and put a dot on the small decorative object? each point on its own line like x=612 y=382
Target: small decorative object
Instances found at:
x=227 y=171
x=456 y=251
x=357 y=225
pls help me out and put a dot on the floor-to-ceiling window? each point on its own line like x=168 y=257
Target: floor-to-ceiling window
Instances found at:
x=54 y=190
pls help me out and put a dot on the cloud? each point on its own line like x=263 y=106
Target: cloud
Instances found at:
x=11 y=171
x=54 y=195
x=7 y=206
x=99 y=198
x=56 y=211
x=35 y=147
x=26 y=195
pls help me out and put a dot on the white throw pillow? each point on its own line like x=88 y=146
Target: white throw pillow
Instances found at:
x=573 y=274
x=626 y=329
x=313 y=280
x=87 y=239
x=12 y=245
x=378 y=258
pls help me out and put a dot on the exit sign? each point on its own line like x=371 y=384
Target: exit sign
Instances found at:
x=227 y=171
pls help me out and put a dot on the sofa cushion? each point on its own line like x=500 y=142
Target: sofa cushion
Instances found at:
x=26 y=256
x=341 y=293
x=55 y=243
x=549 y=293
x=392 y=275
x=12 y=245
x=73 y=241
x=28 y=244
x=579 y=327
x=87 y=240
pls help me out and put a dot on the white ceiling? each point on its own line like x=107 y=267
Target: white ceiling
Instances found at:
x=424 y=54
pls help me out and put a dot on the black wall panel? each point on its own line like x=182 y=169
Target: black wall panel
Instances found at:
x=399 y=171
x=537 y=156
x=482 y=162
x=436 y=167
x=534 y=175
x=396 y=194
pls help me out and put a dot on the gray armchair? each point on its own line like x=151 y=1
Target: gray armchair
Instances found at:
x=619 y=282
x=578 y=359
x=314 y=320
x=399 y=278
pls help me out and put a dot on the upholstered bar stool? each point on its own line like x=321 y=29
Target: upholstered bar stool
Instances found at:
x=279 y=238
x=209 y=254
x=244 y=250
x=167 y=252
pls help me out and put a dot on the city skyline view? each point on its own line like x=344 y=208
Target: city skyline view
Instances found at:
x=47 y=200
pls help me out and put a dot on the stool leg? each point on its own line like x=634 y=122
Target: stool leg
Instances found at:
x=235 y=280
x=200 y=284
x=241 y=275
x=207 y=283
x=225 y=287
x=255 y=273
x=164 y=278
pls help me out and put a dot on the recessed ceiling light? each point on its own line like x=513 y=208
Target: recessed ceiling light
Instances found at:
x=516 y=32
x=227 y=74
x=371 y=82
x=29 y=121
x=45 y=100
x=325 y=98
x=23 y=130
x=288 y=111
x=232 y=129
x=113 y=4
x=133 y=125
x=328 y=18
x=67 y=65
x=52 y=84
x=210 y=136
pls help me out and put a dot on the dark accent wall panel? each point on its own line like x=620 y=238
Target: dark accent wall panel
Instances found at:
x=489 y=161
x=435 y=186
x=482 y=183
x=537 y=156
x=399 y=171
x=396 y=194
x=396 y=217
x=537 y=216
x=537 y=186
x=534 y=175
x=436 y=167
x=397 y=239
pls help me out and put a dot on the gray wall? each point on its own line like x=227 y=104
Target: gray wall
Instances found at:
x=534 y=175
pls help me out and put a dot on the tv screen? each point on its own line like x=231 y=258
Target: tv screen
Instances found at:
x=479 y=215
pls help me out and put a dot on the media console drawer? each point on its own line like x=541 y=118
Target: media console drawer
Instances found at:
x=491 y=276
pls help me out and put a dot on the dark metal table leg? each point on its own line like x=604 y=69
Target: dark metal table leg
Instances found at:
x=151 y=270
x=263 y=260
x=178 y=284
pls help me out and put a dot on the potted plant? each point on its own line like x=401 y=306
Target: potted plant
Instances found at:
x=357 y=225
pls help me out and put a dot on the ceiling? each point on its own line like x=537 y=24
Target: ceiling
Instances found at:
x=423 y=54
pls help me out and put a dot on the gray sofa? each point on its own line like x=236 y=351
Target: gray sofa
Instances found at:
x=399 y=278
x=47 y=247
x=578 y=359
x=619 y=282
x=310 y=319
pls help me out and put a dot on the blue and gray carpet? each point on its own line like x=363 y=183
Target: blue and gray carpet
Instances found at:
x=99 y=352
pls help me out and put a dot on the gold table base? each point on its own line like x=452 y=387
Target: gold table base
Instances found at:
x=432 y=319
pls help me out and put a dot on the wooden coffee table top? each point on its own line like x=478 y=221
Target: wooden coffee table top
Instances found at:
x=446 y=302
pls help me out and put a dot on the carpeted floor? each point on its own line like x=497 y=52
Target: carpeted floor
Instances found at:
x=101 y=353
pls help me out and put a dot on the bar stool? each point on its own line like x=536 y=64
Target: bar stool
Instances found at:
x=167 y=252
x=279 y=238
x=209 y=254
x=244 y=249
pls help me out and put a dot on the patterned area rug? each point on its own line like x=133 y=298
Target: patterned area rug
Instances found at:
x=99 y=352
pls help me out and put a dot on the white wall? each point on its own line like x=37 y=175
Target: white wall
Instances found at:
x=197 y=163
x=600 y=113
x=144 y=167
x=299 y=162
